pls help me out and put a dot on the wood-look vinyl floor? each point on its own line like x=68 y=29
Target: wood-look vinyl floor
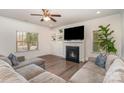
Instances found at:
x=60 y=66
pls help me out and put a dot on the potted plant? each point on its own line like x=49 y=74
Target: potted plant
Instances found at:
x=106 y=40
x=107 y=44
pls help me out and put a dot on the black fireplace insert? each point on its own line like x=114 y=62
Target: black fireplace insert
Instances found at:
x=72 y=53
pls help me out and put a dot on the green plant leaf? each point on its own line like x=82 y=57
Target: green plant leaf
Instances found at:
x=105 y=39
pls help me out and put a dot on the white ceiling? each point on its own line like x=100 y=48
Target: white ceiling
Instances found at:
x=69 y=16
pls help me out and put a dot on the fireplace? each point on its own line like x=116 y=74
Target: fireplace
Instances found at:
x=72 y=53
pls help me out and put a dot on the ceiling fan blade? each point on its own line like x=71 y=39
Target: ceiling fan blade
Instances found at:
x=41 y=20
x=43 y=10
x=53 y=19
x=36 y=15
x=55 y=15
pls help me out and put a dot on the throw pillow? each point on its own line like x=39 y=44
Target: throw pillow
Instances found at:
x=101 y=60
x=6 y=60
x=13 y=59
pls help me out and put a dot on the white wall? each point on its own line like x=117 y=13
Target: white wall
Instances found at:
x=57 y=46
x=91 y=25
x=8 y=28
x=122 y=15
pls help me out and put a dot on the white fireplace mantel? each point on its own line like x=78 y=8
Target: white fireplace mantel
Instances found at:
x=80 y=44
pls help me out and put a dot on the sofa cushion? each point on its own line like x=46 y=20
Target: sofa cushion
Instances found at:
x=37 y=61
x=89 y=73
x=93 y=67
x=115 y=74
x=6 y=60
x=30 y=71
x=86 y=76
x=109 y=61
x=4 y=64
x=47 y=77
x=8 y=74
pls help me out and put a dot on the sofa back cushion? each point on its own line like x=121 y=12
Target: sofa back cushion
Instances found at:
x=115 y=74
x=8 y=74
x=6 y=60
x=109 y=61
x=4 y=64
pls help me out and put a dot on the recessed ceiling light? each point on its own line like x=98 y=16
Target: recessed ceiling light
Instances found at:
x=98 y=12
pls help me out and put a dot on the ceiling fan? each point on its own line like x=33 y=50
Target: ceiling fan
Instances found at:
x=46 y=15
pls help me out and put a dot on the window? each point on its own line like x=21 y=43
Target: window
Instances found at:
x=26 y=41
x=96 y=47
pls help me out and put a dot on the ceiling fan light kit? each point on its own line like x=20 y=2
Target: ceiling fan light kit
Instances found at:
x=46 y=18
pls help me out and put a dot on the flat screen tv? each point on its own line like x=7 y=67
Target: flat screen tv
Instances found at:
x=74 y=33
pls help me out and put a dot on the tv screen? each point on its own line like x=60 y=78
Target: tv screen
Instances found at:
x=75 y=33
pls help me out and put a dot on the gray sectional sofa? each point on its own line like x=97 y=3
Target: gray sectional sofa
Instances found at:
x=37 y=61
x=89 y=73
x=27 y=74
x=29 y=71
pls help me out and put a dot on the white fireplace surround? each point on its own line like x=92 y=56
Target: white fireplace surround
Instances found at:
x=80 y=44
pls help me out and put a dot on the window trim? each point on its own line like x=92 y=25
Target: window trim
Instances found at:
x=96 y=52
x=23 y=41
